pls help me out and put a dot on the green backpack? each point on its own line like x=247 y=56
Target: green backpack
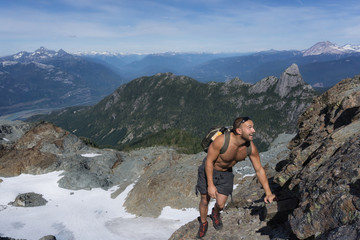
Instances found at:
x=214 y=132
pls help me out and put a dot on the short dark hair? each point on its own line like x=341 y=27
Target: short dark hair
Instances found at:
x=238 y=121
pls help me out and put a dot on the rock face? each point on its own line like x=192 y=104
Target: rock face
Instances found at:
x=323 y=168
x=289 y=79
x=263 y=85
x=168 y=180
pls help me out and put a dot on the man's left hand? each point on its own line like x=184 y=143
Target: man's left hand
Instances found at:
x=270 y=198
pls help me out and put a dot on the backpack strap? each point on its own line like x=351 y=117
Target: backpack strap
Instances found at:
x=226 y=142
x=248 y=148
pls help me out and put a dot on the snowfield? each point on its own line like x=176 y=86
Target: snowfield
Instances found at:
x=81 y=214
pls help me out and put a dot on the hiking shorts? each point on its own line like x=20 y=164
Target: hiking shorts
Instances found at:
x=223 y=181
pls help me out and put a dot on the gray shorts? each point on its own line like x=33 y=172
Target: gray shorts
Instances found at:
x=223 y=181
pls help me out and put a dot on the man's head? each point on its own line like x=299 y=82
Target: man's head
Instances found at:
x=245 y=127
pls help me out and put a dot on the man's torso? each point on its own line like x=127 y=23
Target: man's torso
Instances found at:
x=233 y=155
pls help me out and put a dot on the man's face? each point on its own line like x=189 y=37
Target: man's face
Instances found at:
x=247 y=130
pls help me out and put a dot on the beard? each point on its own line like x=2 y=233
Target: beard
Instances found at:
x=247 y=137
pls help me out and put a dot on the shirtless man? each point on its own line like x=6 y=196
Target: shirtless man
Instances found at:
x=215 y=177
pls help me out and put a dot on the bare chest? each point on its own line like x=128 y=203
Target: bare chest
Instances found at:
x=234 y=154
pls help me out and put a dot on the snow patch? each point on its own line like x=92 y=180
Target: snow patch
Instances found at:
x=80 y=214
x=90 y=155
x=8 y=63
x=44 y=66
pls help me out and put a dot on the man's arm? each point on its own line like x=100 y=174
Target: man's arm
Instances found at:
x=260 y=173
x=212 y=155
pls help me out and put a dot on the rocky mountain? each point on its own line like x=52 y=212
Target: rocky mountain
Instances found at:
x=50 y=79
x=316 y=182
x=151 y=107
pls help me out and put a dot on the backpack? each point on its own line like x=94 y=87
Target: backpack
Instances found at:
x=214 y=132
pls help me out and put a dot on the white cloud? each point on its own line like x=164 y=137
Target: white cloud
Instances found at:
x=210 y=25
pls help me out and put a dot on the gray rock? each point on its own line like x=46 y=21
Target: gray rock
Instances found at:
x=11 y=131
x=48 y=237
x=29 y=200
x=289 y=79
x=263 y=85
x=169 y=179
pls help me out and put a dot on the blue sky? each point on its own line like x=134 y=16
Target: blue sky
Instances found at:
x=153 y=26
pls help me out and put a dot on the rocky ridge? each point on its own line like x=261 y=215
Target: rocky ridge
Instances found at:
x=166 y=102
x=323 y=169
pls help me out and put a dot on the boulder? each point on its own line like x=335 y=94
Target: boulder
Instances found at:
x=29 y=200
x=48 y=237
x=168 y=180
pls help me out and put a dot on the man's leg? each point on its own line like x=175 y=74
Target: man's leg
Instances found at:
x=220 y=202
x=215 y=213
x=203 y=207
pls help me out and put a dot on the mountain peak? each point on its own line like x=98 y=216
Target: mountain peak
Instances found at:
x=328 y=47
x=61 y=53
x=289 y=79
x=43 y=52
x=293 y=70
x=325 y=47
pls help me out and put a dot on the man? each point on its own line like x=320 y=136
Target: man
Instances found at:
x=215 y=177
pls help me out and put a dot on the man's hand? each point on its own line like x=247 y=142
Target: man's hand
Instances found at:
x=269 y=198
x=212 y=191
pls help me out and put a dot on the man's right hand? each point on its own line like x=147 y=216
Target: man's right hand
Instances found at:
x=212 y=191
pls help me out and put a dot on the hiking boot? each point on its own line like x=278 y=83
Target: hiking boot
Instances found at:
x=202 y=229
x=215 y=217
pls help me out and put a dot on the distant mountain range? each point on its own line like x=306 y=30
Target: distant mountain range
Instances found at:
x=48 y=79
x=51 y=79
x=322 y=65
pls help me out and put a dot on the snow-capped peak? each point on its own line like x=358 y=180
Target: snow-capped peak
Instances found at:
x=40 y=55
x=43 y=52
x=330 y=48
